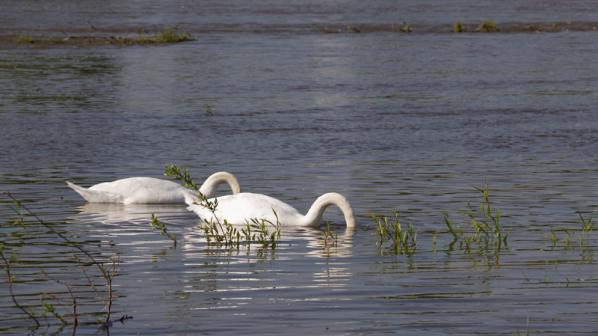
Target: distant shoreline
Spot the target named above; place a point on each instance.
(142, 35)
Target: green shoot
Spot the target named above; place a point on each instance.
(401, 241)
(161, 226)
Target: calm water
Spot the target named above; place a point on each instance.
(392, 121)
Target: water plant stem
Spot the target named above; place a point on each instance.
(107, 275)
(11, 280)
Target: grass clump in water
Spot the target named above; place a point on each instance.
(488, 26)
(256, 231)
(168, 35)
(458, 27)
(389, 230)
(485, 233)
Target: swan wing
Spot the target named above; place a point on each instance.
(240, 208)
(95, 196)
(144, 190)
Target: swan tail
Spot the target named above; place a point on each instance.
(94, 196)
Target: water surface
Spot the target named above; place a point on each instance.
(392, 121)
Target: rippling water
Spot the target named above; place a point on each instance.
(393, 121)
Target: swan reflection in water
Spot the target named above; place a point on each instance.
(206, 267)
(311, 241)
(114, 213)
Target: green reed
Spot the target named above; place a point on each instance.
(458, 27)
(568, 237)
(587, 223)
(484, 233)
(255, 231)
(587, 226)
(488, 26)
(161, 226)
(389, 231)
(329, 236)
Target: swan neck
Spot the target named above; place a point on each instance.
(208, 188)
(314, 215)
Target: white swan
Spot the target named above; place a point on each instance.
(238, 209)
(143, 190)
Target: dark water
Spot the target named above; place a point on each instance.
(392, 121)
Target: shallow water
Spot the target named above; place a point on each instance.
(392, 121)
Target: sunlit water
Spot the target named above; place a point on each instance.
(393, 121)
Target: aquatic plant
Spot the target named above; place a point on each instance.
(488, 26)
(25, 39)
(458, 27)
(11, 280)
(353, 29)
(525, 332)
(390, 230)
(161, 226)
(256, 231)
(405, 28)
(209, 110)
(330, 237)
(48, 302)
(554, 239)
(485, 233)
(168, 35)
(587, 224)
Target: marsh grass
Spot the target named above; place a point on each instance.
(484, 233)
(392, 237)
(458, 27)
(587, 223)
(488, 26)
(587, 226)
(571, 238)
(168, 35)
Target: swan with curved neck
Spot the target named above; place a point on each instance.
(149, 190)
(240, 208)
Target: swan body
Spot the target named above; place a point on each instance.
(240, 208)
(146, 190)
